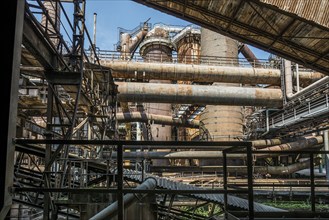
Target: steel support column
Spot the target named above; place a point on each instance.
(225, 183)
(250, 182)
(326, 148)
(312, 182)
(120, 182)
(46, 198)
(9, 93)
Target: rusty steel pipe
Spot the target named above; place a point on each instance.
(297, 145)
(156, 119)
(250, 56)
(201, 73)
(198, 94)
(266, 142)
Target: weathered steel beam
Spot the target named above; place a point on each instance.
(35, 42)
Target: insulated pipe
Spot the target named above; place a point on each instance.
(156, 119)
(266, 143)
(297, 145)
(112, 210)
(201, 73)
(198, 94)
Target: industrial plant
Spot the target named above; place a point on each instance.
(176, 122)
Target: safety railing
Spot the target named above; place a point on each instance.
(107, 55)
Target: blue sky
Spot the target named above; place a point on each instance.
(127, 14)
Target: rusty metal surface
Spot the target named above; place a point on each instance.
(223, 123)
(188, 48)
(296, 30)
(315, 10)
(156, 119)
(202, 73)
(297, 145)
(198, 94)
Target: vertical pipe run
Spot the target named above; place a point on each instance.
(297, 77)
(94, 35)
(93, 56)
(288, 78)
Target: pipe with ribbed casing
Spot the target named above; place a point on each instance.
(198, 94)
(156, 119)
(202, 73)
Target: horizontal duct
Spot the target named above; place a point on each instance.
(202, 73)
(198, 94)
(156, 119)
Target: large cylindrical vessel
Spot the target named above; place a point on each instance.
(220, 122)
(157, 47)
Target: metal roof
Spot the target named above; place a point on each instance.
(296, 30)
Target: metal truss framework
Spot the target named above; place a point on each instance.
(115, 167)
(75, 96)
